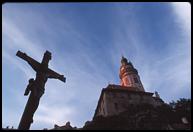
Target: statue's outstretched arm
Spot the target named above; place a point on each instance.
(55, 75)
(33, 63)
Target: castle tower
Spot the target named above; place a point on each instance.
(129, 76)
(115, 99)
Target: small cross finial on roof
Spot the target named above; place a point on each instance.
(122, 56)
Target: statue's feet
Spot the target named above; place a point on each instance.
(32, 120)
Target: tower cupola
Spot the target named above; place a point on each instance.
(129, 75)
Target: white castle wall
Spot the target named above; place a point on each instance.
(113, 103)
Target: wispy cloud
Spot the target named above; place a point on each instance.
(20, 40)
(54, 114)
(183, 13)
(7, 57)
(159, 72)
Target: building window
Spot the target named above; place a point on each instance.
(116, 106)
(124, 105)
(103, 110)
(135, 80)
(102, 102)
(114, 95)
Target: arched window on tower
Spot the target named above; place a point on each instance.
(116, 106)
(135, 80)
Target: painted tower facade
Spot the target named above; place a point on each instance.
(129, 76)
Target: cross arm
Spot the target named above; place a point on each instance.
(53, 74)
(33, 63)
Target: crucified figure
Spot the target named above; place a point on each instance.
(36, 87)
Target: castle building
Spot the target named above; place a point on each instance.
(115, 99)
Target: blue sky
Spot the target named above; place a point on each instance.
(87, 41)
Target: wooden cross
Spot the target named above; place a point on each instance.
(36, 86)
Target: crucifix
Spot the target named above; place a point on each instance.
(36, 87)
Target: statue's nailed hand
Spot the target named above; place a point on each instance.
(62, 78)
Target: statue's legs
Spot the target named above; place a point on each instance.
(31, 107)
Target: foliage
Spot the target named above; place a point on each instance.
(145, 117)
